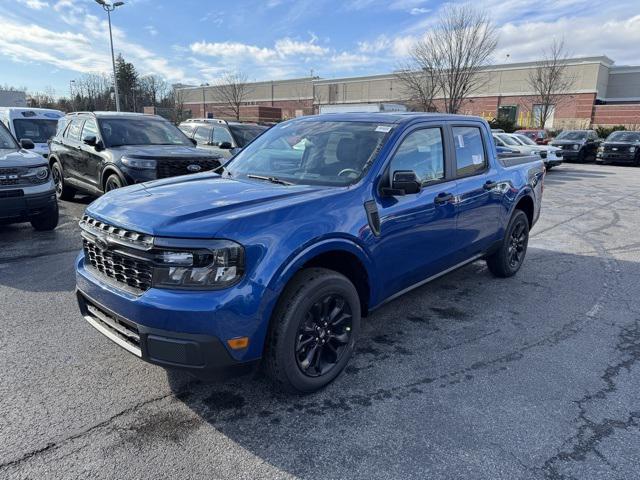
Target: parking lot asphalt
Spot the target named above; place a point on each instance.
(470, 376)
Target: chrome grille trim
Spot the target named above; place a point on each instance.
(115, 330)
(117, 235)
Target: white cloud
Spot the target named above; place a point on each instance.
(152, 30)
(34, 4)
(419, 11)
(287, 47)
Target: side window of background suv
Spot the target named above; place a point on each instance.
(73, 132)
(470, 157)
(421, 151)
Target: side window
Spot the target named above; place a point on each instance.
(593, 136)
(73, 132)
(221, 134)
(421, 151)
(203, 135)
(90, 129)
(62, 125)
(186, 129)
(470, 157)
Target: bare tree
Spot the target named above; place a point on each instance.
(455, 52)
(176, 99)
(232, 89)
(550, 81)
(419, 85)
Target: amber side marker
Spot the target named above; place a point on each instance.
(238, 343)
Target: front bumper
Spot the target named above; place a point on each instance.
(570, 155)
(17, 205)
(616, 157)
(183, 330)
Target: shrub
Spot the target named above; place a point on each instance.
(604, 132)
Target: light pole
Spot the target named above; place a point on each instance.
(71, 83)
(110, 7)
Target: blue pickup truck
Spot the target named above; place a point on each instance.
(274, 258)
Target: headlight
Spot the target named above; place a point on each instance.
(632, 149)
(37, 174)
(140, 163)
(218, 266)
(600, 149)
(576, 147)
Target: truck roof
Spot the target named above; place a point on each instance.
(100, 114)
(389, 117)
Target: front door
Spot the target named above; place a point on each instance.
(89, 162)
(478, 194)
(417, 231)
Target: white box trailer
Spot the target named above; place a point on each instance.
(362, 107)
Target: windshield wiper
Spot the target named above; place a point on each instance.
(277, 180)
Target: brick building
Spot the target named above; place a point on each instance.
(601, 94)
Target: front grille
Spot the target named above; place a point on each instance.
(13, 176)
(134, 273)
(616, 149)
(172, 167)
(117, 254)
(11, 194)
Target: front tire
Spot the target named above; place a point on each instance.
(47, 220)
(63, 191)
(113, 182)
(508, 259)
(313, 331)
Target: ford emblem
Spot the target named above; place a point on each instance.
(194, 168)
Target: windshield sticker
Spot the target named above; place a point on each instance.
(383, 128)
(460, 139)
(476, 159)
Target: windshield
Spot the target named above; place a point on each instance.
(572, 135)
(6, 140)
(508, 140)
(624, 137)
(245, 133)
(140, 131)
(312, 152)
(525, 140)
(35, 129)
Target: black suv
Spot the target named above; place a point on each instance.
(578, 145)
(219, 136)
(620, 146)
(99, 151)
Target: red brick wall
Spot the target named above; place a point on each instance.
(617, 115)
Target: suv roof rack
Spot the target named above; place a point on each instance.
(206, 120)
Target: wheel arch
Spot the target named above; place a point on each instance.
(527, 205)
(109, 170)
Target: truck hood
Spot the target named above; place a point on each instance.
(195, 206)
(567, 142)
(20, 158)
(154, 151)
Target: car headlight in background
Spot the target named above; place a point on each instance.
(218, 266)
(139, 163)
(576, 147)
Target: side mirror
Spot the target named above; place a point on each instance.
(27, 144)
(90, 140)
(403, 182)
(225, 145)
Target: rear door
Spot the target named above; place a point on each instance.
(70, 146)
(478, 200)
(417, 231)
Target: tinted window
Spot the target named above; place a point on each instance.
(73, 132)
(187, 129)
(203, 134)
(221, 134)
(572, 135)
(245, 133)
(36, 130)
(90, 129)
(6, 140)
(422, 152)
(624, 137)
(140, 131)
(470, 158)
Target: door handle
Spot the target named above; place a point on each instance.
(443, 198)
(489, 185)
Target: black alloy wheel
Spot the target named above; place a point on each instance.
(57, 180)
(517, 243)
(323, 335)
(112, 183)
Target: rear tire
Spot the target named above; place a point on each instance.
(63, 191)
(508, 259)
(46, 221)
(313, 331)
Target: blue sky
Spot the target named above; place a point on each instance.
(46, 43)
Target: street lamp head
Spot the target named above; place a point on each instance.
(101, 2)
(118, 4)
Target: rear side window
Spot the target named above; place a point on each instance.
(73, 132)
(421, 151)
(203, 134)
(470, 157)
(62, 124)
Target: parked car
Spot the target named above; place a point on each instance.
(506, 140)
(222, 137)
(95, 152)
(551, 156)
(27, 192)
(578, 145)
(540, 136)
(505, 152)
(620, 146)
(35, 124)
(298, 245)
